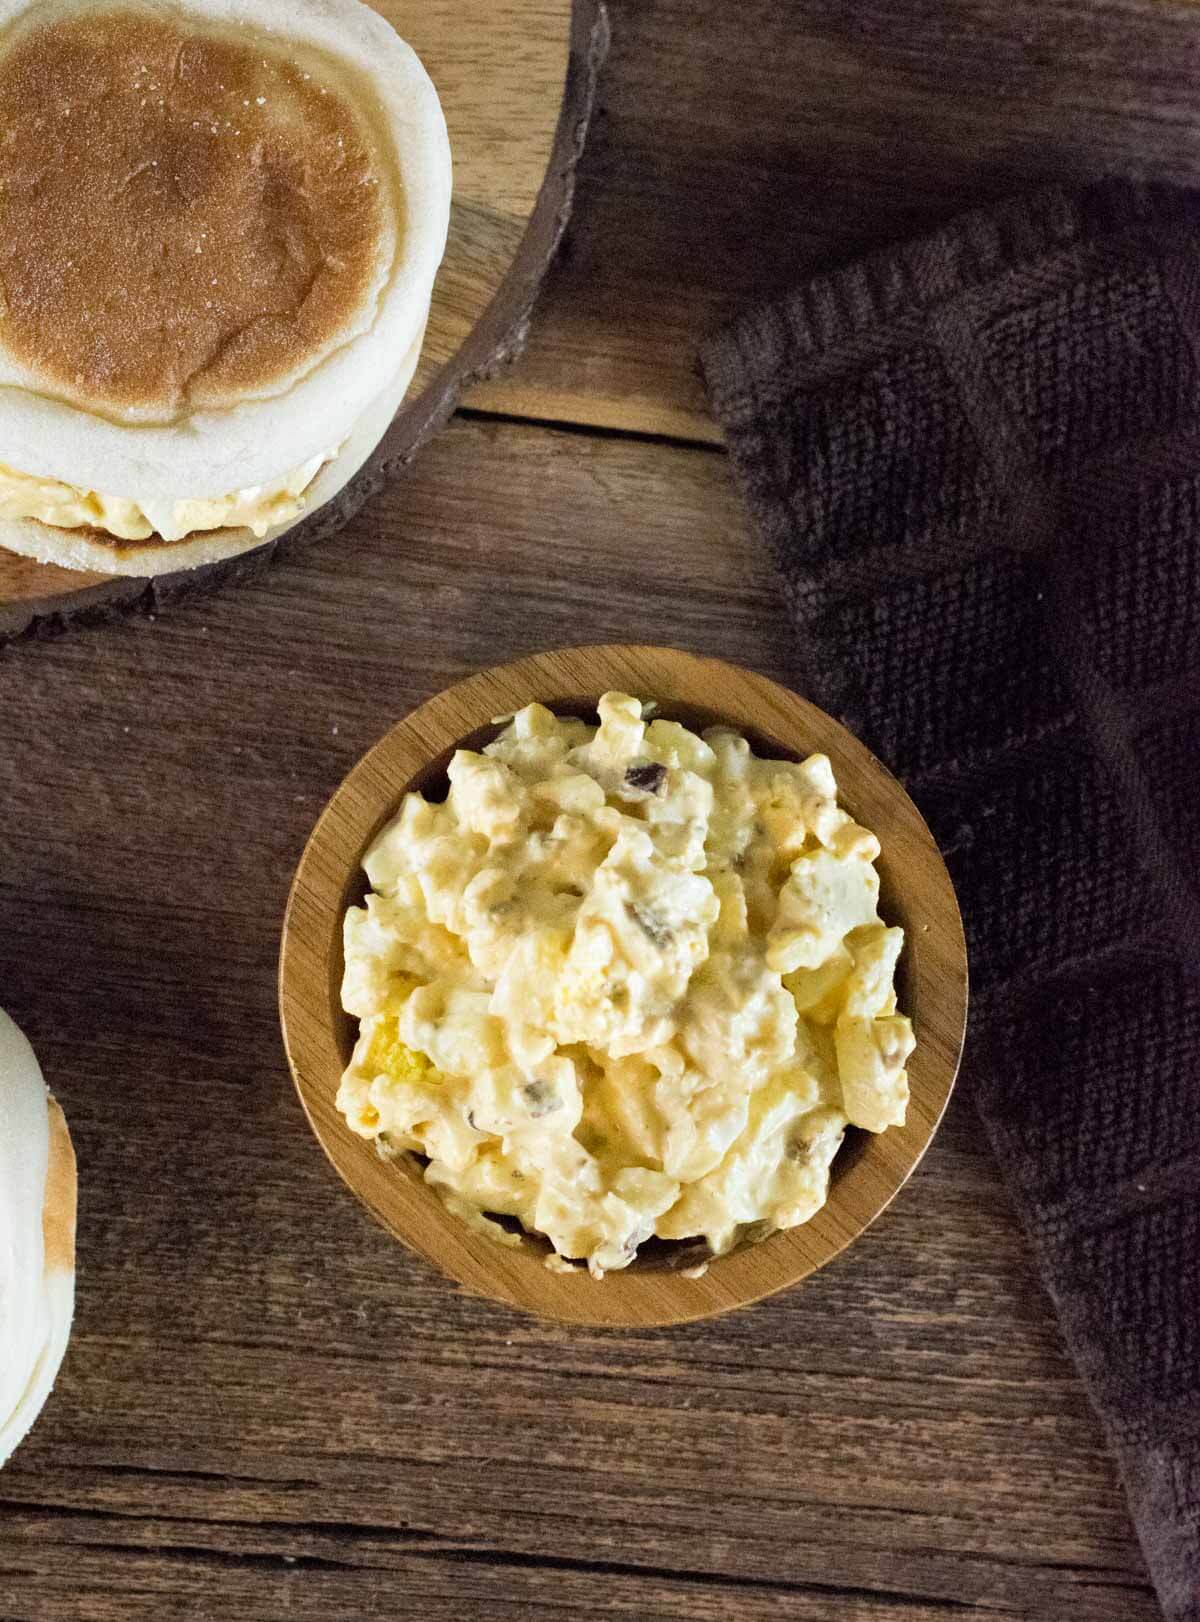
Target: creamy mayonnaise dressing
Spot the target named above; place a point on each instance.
(626, 981)
(259, 507)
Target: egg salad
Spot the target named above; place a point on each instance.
(625, 981)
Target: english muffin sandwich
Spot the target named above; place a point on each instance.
(220, 222)
(37, 1237)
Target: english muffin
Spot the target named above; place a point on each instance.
(220, 223)
(37, 1237)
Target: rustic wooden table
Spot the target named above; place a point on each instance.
(268, 1408)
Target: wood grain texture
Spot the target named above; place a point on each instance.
(916, 893)
(269, 1409)
(515, 79)
(738, 148)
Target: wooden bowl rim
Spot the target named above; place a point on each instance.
(412, 752)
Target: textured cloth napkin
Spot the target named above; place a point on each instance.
(977, 460)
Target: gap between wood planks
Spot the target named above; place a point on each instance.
(435, 1547)
(499, 1560)
(597, 430)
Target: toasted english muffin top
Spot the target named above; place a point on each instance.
(188, 216)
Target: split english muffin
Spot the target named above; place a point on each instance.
(220, 223)
(37, 1237)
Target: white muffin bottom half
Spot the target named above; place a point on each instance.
(86, 549)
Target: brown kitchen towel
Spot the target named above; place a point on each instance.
(977, 460)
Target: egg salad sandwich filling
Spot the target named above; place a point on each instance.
(220, 223)
(37, 1238)
(625, 982)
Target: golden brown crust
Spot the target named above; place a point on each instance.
(58, 1209)
(185, 216)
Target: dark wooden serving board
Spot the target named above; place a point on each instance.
(516, 80)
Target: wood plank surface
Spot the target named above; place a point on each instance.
(739, 146)
(269, 1409)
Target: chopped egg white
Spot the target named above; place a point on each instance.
(624, 982)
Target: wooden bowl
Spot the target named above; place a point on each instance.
(915, 892)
